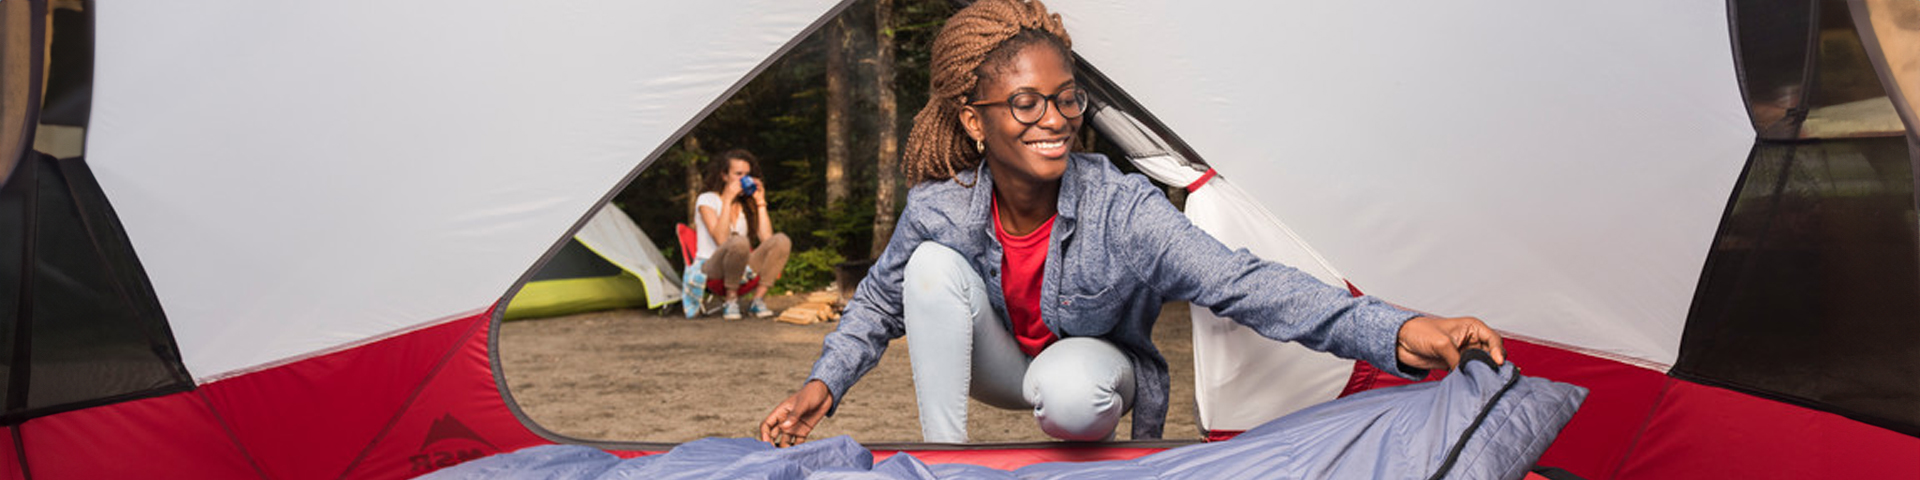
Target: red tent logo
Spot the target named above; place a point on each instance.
(449, 443)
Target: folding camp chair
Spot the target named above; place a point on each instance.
(697, 292)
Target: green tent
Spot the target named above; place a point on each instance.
(609, 264)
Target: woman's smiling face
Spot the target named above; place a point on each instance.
(1038, 151)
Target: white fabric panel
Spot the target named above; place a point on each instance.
(1555, 168)
(1232, 364)
(613, 235)
(1242, 379)
(298, 176)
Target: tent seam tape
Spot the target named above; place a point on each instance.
(1604, 355)
(418, 389)
(231, 435)
(230, 374)
(1666, 387)
(20, 451)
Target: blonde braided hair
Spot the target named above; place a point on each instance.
(938, 147)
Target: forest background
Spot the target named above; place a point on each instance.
(828, 121)
(825, 121)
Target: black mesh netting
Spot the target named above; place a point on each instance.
(79, 323)
(1811, 293)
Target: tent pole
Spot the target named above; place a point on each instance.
(1809, 78)
(19, 373)
(20, 452)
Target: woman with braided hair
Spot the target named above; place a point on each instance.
(1027, 276)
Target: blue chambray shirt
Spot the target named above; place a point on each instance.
(1119, 250)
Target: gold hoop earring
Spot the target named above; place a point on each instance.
(979, 145)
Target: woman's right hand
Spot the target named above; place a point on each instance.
(793, 419)
(730, 190)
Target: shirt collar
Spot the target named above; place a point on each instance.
(1066, 207)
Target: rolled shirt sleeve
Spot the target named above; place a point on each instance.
(873, 316)
(1280, 302)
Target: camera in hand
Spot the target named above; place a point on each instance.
(748, 186)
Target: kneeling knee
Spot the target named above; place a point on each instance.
(1079, 388)
(1089, 414)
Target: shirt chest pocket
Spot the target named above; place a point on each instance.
(1091, 292)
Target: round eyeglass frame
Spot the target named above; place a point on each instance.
(1085, 104)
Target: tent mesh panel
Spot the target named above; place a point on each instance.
(1811, 292)
(94, 331)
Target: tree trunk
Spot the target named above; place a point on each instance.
(886, 195)
(839, 40)
(690, 156)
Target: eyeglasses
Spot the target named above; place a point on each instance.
(1029, 107)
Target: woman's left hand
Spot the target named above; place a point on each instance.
(760, 194)
(1433, 343)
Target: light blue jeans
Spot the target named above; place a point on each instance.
(1078, 387)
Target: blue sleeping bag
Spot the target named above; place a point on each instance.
(1483, 422)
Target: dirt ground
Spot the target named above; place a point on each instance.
(632, 375)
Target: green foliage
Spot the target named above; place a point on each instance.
(846, 228)
(809, 270)
(780, 115)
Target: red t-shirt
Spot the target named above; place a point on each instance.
(1026, 260)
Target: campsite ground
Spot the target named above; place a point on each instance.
(631, 375)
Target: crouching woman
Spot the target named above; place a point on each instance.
(1029, 277)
